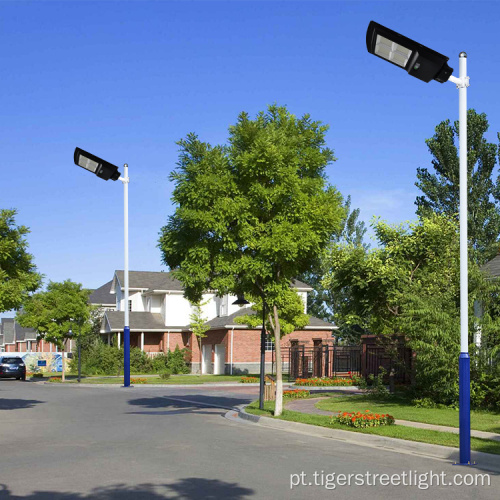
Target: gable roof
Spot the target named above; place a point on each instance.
(113, 321)
(158, 280)
(103, 295)
(492, 267)
(13, 332)
(147, 280)
(23, 334)
(8, 330)
(229, 321)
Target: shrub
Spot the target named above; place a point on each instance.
(248, 380)
(139, 361)
(37, 375)
(296, 394)
(160, 362)
(176, 362)
(361, 420)
(165, 374)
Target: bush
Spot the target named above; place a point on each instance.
(176, 361)
(165, 374)
(160, 362)
(101, 359)
(37, 375)
(139, 361)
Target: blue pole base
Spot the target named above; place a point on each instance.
(126, 356)
(464, 407)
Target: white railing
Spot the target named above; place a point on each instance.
(154, 354)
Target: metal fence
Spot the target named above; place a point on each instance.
(321, 361)
(333, 361)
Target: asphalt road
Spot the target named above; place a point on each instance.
(104, 442)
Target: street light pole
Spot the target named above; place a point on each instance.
(126, 329)
(464, 360)
(426, 65)
(106, 171)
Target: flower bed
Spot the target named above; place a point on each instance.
(248, 380)
(138, 380)
(55, 379)
(321, 382)
(366, 419)
(296, 394)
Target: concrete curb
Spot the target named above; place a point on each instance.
(486, 461)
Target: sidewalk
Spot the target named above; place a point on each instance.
(307, 406)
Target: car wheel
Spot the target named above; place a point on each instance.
(18, 378)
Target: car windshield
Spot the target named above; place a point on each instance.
(12, 361)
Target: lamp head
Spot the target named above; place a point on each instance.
(96, 165)
(417, 59)
(240, 301)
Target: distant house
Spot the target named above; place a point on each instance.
(102, 297)
(160, 316)
(15, 338)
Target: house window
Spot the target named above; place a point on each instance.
(129, 305)
(269, 344)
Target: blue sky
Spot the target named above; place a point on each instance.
(127, 79)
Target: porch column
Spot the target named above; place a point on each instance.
(119, 336)
(142, 341)
(164, 342)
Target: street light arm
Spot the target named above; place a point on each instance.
(460, 82)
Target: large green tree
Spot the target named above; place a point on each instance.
(441, 187)
(253, 214)
(410, 285)
(53, 313)
(320, 302)
(18, 276)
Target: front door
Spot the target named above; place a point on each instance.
(220, 359)
(206, 358)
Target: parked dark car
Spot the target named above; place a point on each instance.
(11, 366)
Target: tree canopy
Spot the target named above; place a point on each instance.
(53, 313)
(18, 276)
(253, 214)
(441, 188)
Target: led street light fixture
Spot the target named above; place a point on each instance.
(418, 60)
(96, 165)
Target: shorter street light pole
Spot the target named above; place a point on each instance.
(426, 65)
(106, 171)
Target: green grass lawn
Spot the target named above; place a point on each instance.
(155, 379)
(401, 408)
(394, 431)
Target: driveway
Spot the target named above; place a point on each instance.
(107, 442)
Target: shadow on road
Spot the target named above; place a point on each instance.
(193, 400)
(185, 489)
(17, 404)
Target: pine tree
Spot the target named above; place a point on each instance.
(441, 189)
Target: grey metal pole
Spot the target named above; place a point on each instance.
(262, 356)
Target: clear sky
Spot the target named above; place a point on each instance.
(125, 80)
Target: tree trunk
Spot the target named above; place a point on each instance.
(62, 360)
(278, 409)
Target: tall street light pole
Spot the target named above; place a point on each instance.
(426, 65)
(106, 171)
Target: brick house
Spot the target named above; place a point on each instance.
(15, 338)
(160, 317)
